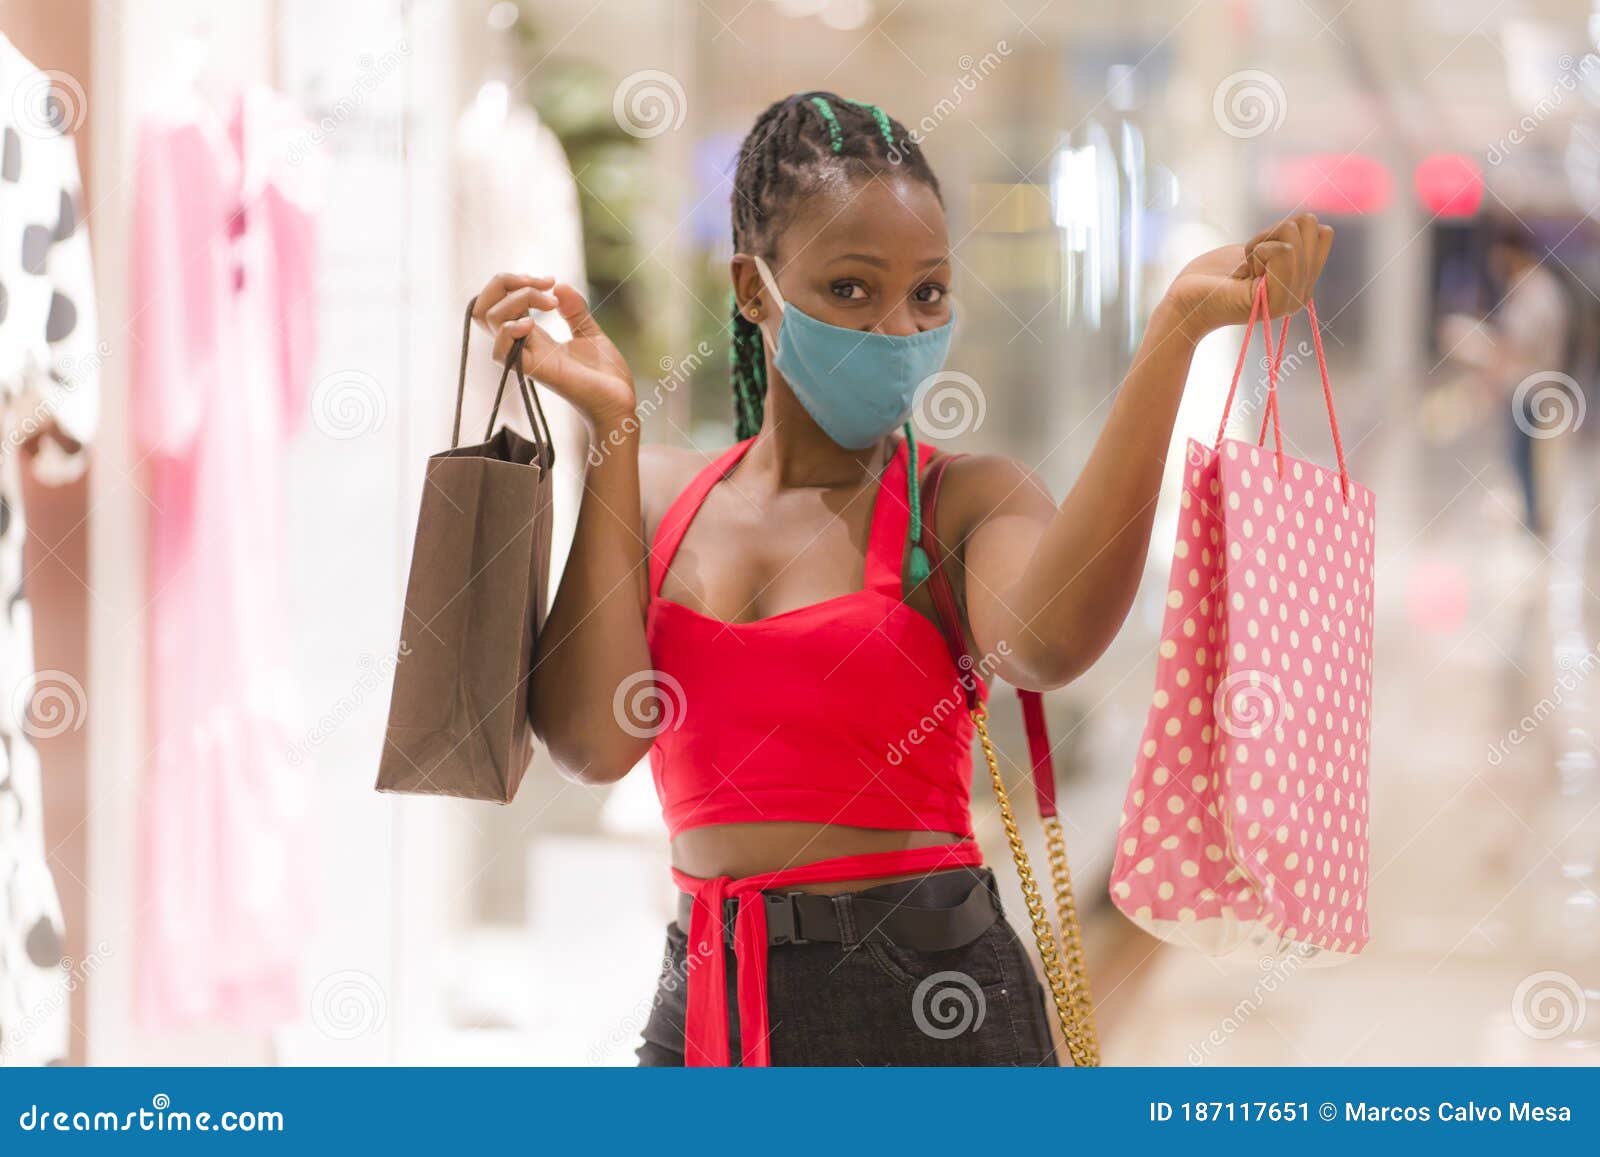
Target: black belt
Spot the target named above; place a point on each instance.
(811, 918)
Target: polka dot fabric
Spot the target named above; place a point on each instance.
(1246, 820)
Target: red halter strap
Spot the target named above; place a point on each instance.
(675, 523)
(885, 543)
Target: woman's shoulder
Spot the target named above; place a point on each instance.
(976, 487)
(664, 472)
(670, 461)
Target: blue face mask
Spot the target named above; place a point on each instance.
(858, 386)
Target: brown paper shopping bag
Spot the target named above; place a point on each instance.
(475, 602)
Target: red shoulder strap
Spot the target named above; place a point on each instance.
(1044, 768)
(675, 523)
(944, 601)
(886, 540)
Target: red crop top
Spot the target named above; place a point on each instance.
(849, 711)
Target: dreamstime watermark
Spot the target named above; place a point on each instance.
(649, 702)
(1248, 406)
(1568, 83)
(371, 74)
(673, 976)
(934, 718)
(1549, 1004)
(349, 1004)
(947, 1004)
(1288, 362)
(948, 404)
(1291, 360)
(675, 372)
(49, 703)
(348, 404)
(648, 103)
(69, 376)
(1249, 103)
(51, 1007)
(376, 676)
(1248, 704)
(1575, 669)
(160, 1117)
(1275, 973)
(1547, 404)
(973, 71)
(48, 103)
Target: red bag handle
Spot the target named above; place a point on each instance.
(1260, 308)
(944, 601)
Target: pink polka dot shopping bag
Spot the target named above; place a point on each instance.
(1246, 819)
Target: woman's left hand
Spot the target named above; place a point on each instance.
(1216, 289)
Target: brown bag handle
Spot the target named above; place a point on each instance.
(545, 456)
(1064, 966)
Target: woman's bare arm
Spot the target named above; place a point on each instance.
(593, 640)
(1055, 583)
(594, 637)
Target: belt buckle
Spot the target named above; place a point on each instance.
(783, 924)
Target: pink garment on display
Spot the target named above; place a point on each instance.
(223, 271)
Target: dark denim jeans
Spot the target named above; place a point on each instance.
(870, 1002)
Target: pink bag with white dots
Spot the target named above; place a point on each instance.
(1246, 820)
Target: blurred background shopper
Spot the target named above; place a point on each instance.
(1533, 328)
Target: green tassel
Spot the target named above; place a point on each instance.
(920, 569)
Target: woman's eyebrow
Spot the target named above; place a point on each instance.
(864, 258)
(880, 263)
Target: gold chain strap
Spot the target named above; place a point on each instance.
(1071, 934)
(1068, 981)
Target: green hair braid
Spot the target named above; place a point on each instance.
(835, 133)
(884, 125)
(747, 362)
(918, 568)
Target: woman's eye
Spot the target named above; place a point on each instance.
(850, 290)
(930, 294)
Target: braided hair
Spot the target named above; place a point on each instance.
(797, 146)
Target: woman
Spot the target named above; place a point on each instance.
(814, 779)
(1532, 354)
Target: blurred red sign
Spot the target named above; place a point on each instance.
(1340, 184)
(1449, 184)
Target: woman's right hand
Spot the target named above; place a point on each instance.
(587, 369)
